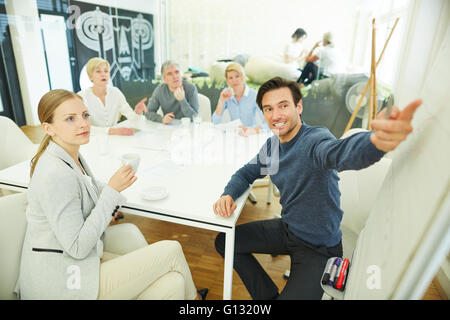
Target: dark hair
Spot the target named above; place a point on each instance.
(277, 83)
(298, 33)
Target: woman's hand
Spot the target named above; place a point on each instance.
(245, 131)
(141, 107)
(226, 94)
(121, 131)
(122, 179)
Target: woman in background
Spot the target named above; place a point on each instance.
(294, 52)
(106, 103)
(67, 224)
(240, 101)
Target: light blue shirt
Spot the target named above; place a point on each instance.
(246, 109)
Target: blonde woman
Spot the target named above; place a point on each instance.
(67, 224)
(240, 101)
(106, 103)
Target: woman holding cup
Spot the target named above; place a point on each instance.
(240, 101)
(68, 218)
(106, 103)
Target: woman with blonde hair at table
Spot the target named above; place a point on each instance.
(240, 101)
(107, 103)
(69, 251)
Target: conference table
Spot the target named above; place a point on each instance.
(191, 162)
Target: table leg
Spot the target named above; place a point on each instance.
(228, 264)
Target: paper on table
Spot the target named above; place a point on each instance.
(229, 125)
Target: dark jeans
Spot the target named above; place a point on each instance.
(273, 237)
(309, 74)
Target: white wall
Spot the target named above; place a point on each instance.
(202, 31)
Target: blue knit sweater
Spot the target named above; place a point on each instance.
(306, 175)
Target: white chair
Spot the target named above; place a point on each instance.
(204, 107)
(12, 232)
(359, 190)
(15, 145)
(119, 239)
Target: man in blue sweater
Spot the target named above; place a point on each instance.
(302, 162)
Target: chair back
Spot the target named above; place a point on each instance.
(359, 189)
(204, 107)
(12, 233)
(14, 144)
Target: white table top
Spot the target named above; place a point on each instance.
(194, 164)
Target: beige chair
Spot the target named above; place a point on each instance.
(119, 240)
(12, 232)
(204, 107)
(14, 144)
(359, 190)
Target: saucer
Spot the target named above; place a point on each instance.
(154, 193)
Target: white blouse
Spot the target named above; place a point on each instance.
(104, 116)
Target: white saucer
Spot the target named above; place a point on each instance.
(154, 193)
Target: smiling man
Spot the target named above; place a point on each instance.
(176, 97)
(307, 161)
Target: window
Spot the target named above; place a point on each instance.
(385, 13)
(56, 51)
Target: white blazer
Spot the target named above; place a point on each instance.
(105, 116)
(66, 218)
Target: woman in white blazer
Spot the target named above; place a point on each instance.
(106, 103)
(68, 214)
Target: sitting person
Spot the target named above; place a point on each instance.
(176, 97)
(240, 101)
(327, 57)
(302, 162)
(294, 53)
(106, 103)
(68, 216)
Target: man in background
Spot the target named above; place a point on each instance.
(176, 97)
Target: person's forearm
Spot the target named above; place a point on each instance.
(153, 116)
(187, 109)
(219, 108)
(353, 153)
(244, 177)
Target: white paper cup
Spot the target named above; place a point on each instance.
(132, 159)
(185, 121)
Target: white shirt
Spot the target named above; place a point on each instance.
(293, 51)
(104, 116)
(330, 60)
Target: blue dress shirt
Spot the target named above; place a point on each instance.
(246, 109)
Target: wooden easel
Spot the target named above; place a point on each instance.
(372, 81)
